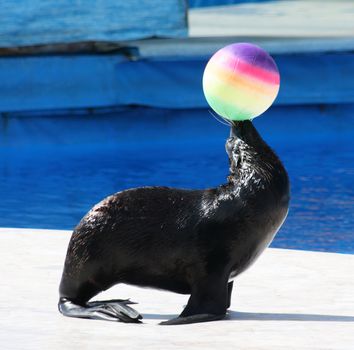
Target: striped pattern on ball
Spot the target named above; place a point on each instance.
(240, 81)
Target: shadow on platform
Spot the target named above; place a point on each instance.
(255, 316)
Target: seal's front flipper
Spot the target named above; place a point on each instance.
(108, 310)
(208, 301)
(192, 319)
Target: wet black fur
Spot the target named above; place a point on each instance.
(185, 241)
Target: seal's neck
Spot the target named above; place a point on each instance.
(249, 155)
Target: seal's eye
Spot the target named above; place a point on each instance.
(229, 145)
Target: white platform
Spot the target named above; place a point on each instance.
(273, 18)
(287, 300)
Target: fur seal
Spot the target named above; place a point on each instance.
(185, 241)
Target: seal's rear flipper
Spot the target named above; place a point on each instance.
(108, 310)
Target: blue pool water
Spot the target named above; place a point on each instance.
(54, 168)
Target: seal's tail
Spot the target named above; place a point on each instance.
(108, 310)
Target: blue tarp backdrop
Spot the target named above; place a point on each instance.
(35, 22)
(205, 3)
(94, 81)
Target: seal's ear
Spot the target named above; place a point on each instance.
(229, 146)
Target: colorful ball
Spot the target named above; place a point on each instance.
(241, 81)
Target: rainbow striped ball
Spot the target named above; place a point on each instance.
(241, 81)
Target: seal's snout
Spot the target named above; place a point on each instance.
(245, 131)
(241, 128)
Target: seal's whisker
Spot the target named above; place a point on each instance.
(224, 121)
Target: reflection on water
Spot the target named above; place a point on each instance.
(54, 169)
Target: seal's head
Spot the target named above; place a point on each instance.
(241, 134)
(246, 149)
